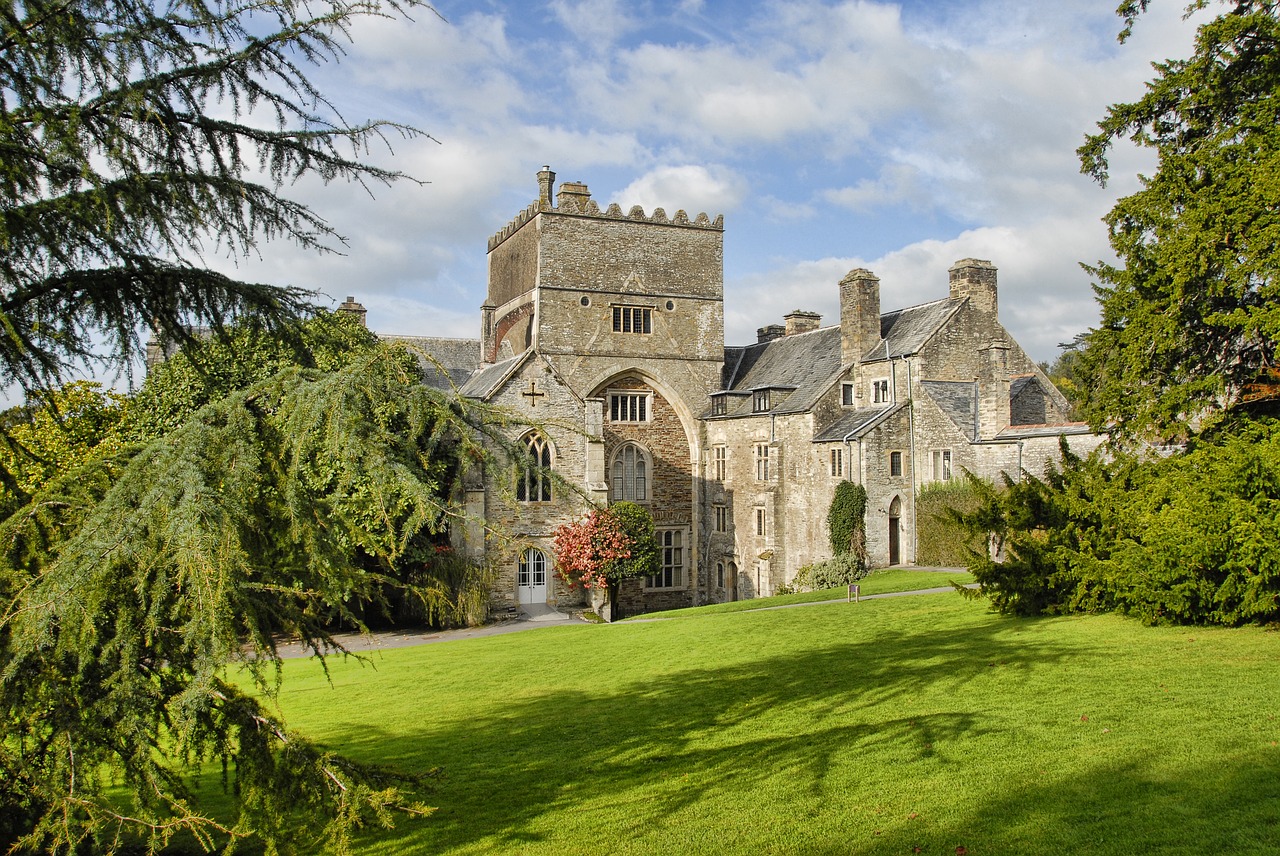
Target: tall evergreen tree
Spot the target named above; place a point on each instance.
(135, 137)
(1191, 313)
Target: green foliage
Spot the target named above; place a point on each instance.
(57, 431)
(137, 138)
(842, 570)
(846, 519)
(637, 524)
(1067, 374)
(212, 367)
(1191, 315)
(940, 540)
(1188, 538)
(129, 584)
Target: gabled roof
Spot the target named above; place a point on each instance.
(956, 399)
(905, 331)
(446, 363)
(486, 381)
(804, 363)
(856, 423)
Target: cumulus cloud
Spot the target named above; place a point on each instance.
(711, 189)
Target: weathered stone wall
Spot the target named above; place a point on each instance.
(513, 525)
(513, 265)
(891, 435)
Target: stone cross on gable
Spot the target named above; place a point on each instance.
(532, 393)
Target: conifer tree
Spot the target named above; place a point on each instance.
(1191, 314)
(136, 137)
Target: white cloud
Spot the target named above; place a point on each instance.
(597, 24)
(711, 189)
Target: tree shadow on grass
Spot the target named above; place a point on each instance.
(658, 745)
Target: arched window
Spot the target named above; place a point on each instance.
(533, 483)
(630, 474)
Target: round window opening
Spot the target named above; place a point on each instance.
(671, 304)
(584, 300)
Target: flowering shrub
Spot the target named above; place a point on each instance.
(605, 546)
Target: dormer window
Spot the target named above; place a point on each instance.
(880, 391)
(719, 405)
(846, 394)
(760, 402)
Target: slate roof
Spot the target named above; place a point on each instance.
(451, 363)
(956, 399)
(486, 380)
(856, 423)
(804, 363)
(904, 331)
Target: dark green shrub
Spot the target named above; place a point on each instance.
(842, 570)
(941, 541)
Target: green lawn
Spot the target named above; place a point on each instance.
(880, 727)
(877, 582)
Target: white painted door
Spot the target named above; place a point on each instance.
(531, 577)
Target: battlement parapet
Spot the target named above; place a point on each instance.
(581, 205)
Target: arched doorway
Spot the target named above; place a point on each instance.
(895, 531)
(531, 577)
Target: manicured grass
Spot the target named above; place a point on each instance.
(877, 582)
(880, 727)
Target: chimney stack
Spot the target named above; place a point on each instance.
(859, 314)
(799, 321)
(993, 390)
(355, 310)
(546, 179)
(573, 196)
(976, 280)
(770, 332)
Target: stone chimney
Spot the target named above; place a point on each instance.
(355, 310)
(859, 314)
(976, 280)
(573, 196)
(993, 390)
(546, 179)
(799, 321)
(770, 332)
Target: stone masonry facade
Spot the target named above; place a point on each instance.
(606, 329)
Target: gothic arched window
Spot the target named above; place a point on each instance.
(630, 474)
(533, 483)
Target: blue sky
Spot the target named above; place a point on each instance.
(894, 136)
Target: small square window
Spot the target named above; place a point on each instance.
(761, 401)
(719, 405)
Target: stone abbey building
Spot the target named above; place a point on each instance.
(607, 328)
